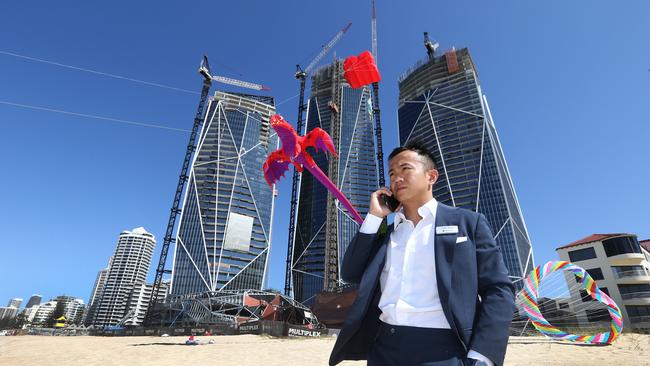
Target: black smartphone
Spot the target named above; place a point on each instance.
(390, 201)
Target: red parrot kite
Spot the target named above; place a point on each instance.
(294, 151)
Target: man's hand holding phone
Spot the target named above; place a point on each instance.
(380, 202)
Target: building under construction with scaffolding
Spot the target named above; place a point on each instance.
(441, 104)
(320, 229)
(324, 228)
(224, 235)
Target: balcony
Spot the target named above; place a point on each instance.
(636, 298)
(626, 259)
(639, 321)
(632, 276)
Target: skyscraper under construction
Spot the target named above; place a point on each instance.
(324, 228)
(224, 236)
(442, 105)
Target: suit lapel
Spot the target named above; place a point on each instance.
(379, 259)
(371, 279)
(444, 249)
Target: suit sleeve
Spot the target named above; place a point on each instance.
(492, 324)
(360, 250)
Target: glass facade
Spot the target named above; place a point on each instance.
(634, 291)
(443, 106)
(638, 313)
(224, 236)
(621, 245)
(628, 271)
(357, 179)
(582, 254)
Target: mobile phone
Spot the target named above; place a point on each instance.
(389, 201)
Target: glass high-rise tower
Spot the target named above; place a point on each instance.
(324, 228)
(224, 236)
(442, 105)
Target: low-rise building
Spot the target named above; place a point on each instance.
(621, 268)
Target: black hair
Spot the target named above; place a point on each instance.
(418, 147)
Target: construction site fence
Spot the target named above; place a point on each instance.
(264, 327)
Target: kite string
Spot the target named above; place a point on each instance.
(134, 123)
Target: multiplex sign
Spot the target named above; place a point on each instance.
(300, 332)
(249, 328)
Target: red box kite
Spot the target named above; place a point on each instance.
(361, 70)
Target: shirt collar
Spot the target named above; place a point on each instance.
(425, 210)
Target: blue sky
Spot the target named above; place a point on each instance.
(567, 83)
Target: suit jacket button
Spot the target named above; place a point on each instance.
(392, 330)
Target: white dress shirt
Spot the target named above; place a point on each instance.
(408, 281)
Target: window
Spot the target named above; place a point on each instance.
(628, 271)
(628, 289)
(596, 273)
(634, 291)
(605, 290)
(598, 315)
(621, 245)
(582, 254)
(636, 312)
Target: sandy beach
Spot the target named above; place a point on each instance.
(629, 349)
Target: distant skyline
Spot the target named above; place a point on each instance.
(566, 83)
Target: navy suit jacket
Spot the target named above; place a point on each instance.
(476, 294)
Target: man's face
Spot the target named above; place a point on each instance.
(409, 176)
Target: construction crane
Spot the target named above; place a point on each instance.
(430, 46)
(204, 70)
(374, 33)
(242, 84)
(301, 75)
(375, 104)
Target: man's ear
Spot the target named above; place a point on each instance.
(433, 176)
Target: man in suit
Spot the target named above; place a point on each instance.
(433, 288)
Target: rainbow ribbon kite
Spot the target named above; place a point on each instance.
(529, 294)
